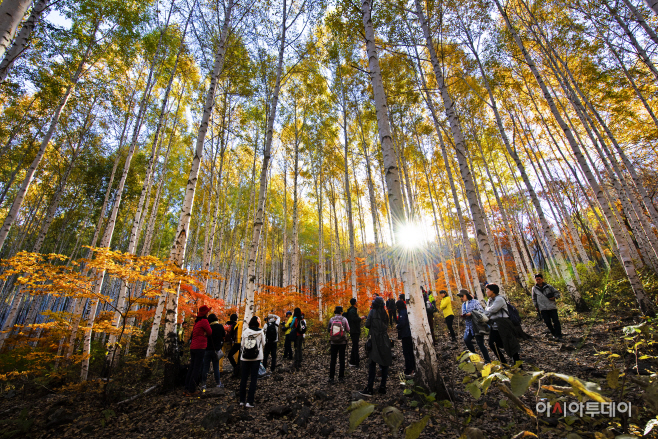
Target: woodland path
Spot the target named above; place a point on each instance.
(305, 394)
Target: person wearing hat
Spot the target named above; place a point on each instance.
(287, 343)
(338, 329)
(470, 304)
(198, 344)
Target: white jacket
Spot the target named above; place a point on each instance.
(260, 340)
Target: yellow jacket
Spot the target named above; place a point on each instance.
(238, 328)
(446, 306)
(288, 323)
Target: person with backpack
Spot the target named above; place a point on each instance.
(404, 335)
(503, 332)
(353, 319)
(271, 339)
(380, 346)
(253, 341)
(390, 307)
(448, 315)
(287, 340)
(213, 350)
(236, 337)
(198, 343)
(338, 329)
(470, 304)
(428, 299)
(543, 297)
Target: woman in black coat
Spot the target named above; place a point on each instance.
(404, 334)
(380, 353)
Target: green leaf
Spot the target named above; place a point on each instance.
(503, 403)
(413, 403)
(414, 430)
(467, 367)
(613, 378)
(474, 390)
(570, 420)
(408, 392)
(486, 383)
(393, 418)
(360, 411)
(520, 383)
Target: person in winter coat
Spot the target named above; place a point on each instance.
(198, 343)
(428, 299)
(296, 336)
(287, 342)
(377, 323)
(253, 340)
(469, 304)
(352, 316)
(448, 315)
(500, 324)
(404, 334)
(271, 339)
(544, 296)
(213, 348)
(390, 307)
(338, 329)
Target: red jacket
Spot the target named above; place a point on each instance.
(199, 340)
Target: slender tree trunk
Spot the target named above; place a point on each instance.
(170, 301)
(11, 14)
(258, 218)
(22, 39)
(427, 370)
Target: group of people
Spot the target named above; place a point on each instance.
(255, 345)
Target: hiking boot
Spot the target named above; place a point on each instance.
(330, 381)
(381, 391)
(352, 365)
(366, 392)
(341, 380)
(220, 386)
(249, 406)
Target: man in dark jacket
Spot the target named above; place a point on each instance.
(353, 319)
(213, 348)
(390, 307)
(404, 334)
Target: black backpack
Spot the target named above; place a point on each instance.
(250, 348)
(302, 326)
(271, 332)
(513, 314)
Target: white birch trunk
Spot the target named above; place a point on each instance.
(11, 14)
(22, 39)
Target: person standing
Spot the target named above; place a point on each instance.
(287, 341)
(251, 356)
(470, 304)
(338, 329)
(353, 319)
(431, 309)
(390, 307)
(298, 327)
(213, 349)
(448, 315)
(236, 337)
(198, 343)
(404, 334)
(271, 339)
(503, 333)
(544, 296)
(380, 353)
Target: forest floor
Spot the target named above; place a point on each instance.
(302, 404)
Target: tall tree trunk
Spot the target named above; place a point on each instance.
(169, 302)
(427, 370)
(258, 218)
(11, 14)
(20, 42)
(488, 257)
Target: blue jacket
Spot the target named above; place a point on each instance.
(403, 324)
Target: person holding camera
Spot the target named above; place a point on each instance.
(543, 296)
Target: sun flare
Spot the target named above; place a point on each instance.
(411, 236)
